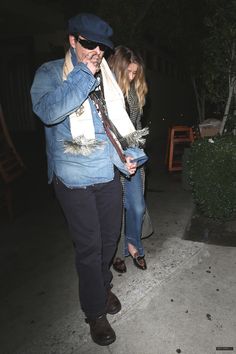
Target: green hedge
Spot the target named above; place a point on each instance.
(210, 169)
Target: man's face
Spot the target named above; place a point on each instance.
(85, 55)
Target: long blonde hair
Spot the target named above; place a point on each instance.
(119, 62)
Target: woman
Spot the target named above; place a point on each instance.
(128, 69)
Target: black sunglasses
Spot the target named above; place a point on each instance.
(90, 44)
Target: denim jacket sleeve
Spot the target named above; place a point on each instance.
(138, 155)
(53, 99)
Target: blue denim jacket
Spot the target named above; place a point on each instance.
(53, 100)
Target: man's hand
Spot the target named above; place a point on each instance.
(93, 61)
(132, 166)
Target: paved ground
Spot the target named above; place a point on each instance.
(184, 303)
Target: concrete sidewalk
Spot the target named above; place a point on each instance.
(189, 310)
(184, 302)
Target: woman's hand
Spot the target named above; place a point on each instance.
(131, 166)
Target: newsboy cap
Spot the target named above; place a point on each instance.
(92, 28)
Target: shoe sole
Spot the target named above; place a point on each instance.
(103, 344)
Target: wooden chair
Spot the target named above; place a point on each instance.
(179, 137)
(11, 165)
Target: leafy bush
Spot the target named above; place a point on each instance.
(210, 169)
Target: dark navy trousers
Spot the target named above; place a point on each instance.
(94, 219)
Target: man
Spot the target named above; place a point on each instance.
(78, 100)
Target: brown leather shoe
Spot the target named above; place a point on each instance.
(139, 261)
(119, 265)
(113, 303)
(101, 330)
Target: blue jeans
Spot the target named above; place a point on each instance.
(134, 205)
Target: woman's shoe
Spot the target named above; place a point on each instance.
(139, 261)
(119, 265)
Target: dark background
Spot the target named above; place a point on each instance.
(34, 31)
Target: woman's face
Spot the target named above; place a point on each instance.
(132, 71)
